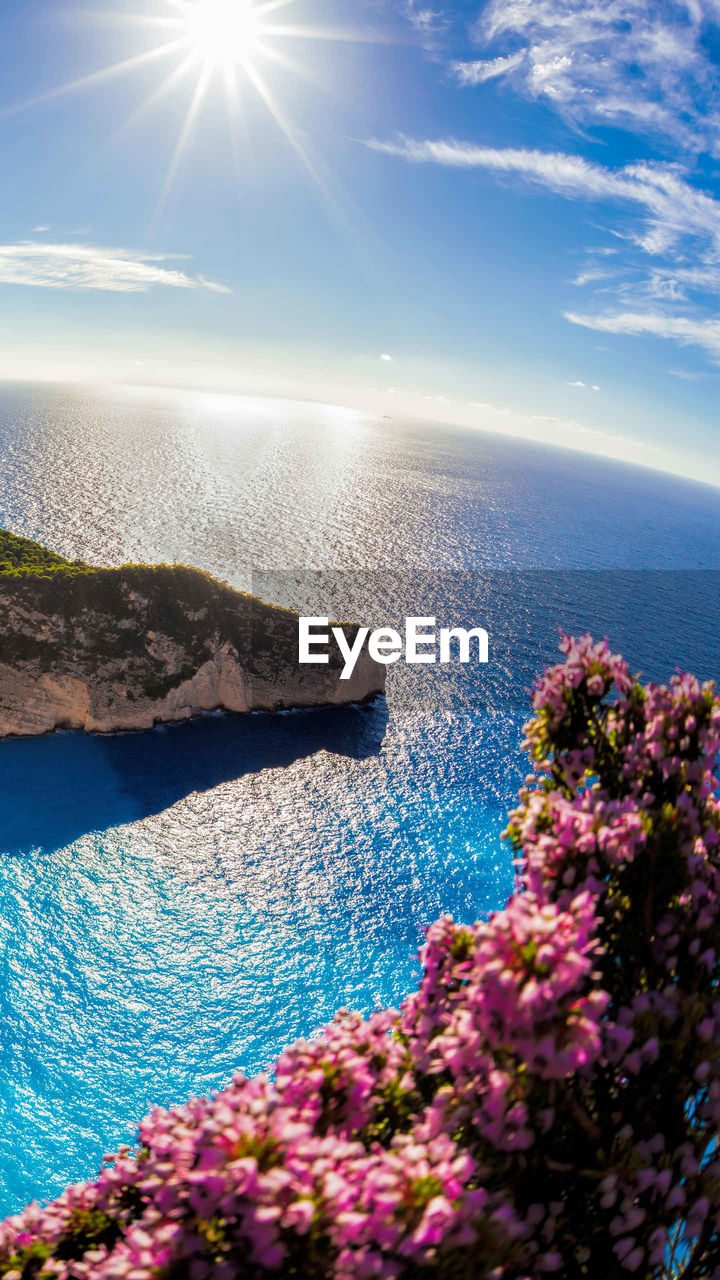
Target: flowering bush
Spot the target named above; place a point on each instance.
(547, 1101)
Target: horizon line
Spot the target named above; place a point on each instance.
(680, 471)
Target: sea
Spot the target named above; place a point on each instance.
(178, 905)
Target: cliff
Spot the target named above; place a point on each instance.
(105, 650)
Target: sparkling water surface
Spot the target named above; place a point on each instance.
(178, 905)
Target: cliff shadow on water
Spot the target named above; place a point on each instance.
(55, 789)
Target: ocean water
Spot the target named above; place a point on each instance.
(178, 905)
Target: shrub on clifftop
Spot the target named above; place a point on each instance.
(547, 1101)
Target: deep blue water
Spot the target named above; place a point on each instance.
(179, 904)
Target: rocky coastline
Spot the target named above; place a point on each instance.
(119, 649)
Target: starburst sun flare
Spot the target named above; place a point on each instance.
(225, 32)
(206, 42)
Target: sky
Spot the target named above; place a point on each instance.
(503, 214)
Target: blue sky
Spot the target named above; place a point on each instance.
(517, 202)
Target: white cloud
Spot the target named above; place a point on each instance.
(429, 23)
(592, 275)
(665, 216)
(676, 282)
(674, 207)
(474, 73)
(683, 329)
(645, 67)
(650, 69)
(385, 356)
(578, 384)
(77, 266)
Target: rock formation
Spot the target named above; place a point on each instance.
(106, 650)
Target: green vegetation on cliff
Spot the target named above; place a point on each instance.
(61, 615)
(19, 557)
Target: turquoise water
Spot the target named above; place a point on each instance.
(180, 904)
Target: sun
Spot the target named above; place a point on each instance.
(222, 32)
(233, 45)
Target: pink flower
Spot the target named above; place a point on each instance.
(552, 1085)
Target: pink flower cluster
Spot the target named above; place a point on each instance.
(546, 1102)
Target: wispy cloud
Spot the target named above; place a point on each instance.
(385, 356)
(592, 275)
(670, 232)
(646, 67)
(588, 386)
(474, 73)
(429, 23)
(77, 266)
(683, 329)
(673, 206)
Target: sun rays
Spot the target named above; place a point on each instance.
(232, 46)
(227, 42)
